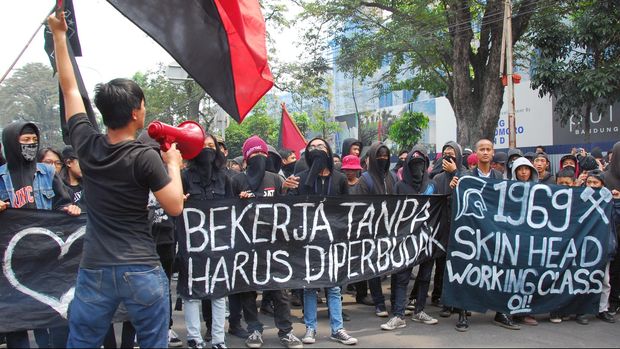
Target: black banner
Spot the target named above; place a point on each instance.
(41, 252)
(526, 248)
(232, 246)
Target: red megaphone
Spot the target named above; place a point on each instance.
(189, 137)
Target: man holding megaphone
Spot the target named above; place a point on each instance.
(119, 259)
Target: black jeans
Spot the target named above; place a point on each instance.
(398, 298)
(166, 254)
(614, 280)
(421, 285)
(440, 265)
(376, 292)
(281, 311)
(128, 335)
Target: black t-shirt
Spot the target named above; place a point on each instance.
(24, 194)
(116, 180)
(76, 193)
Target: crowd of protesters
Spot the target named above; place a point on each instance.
(133, 241)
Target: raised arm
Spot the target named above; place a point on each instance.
(66, 76)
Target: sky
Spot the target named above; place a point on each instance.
(112, 46)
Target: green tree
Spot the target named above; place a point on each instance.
(578, 60)
(173, 102)
(259, 123)
(322, 124)
(446, 47)
(407, 130)
(31, 94)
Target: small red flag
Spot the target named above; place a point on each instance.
(290, 135)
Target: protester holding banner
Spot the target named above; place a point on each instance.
(484, 153)
(204, 179)
(257, 182)
(120, 262)
(321, 179)
(377, 180)
(415, 181)
(50, 156)
(612, 182)
(26, 183)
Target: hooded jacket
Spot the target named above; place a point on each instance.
(22, 182)
(274, 160)
(383, 181)
(612, 175)
(334, 184)
(443, 178)
(348, 143)
(524, 162)
(406, 185)
(511, 152)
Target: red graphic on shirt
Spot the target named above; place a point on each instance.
(23, 197)
(269, 192)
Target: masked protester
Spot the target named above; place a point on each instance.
(612, 182)
(256, 181)
(321, 179)
(376, 180)
(415, 180)
(26, 183)
(274, 161)
(289, 158)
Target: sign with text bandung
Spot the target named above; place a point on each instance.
(526, 248)
(232, 246)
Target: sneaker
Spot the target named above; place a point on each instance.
(505, 321)
(436, 302)
(555, 318)
(408, 312)
(526, 320)
(219, 346)
(394, 323)
(343, 337)
(309, 337)
(424, 318)
(462, 325)
(411, 305)
(290, 341)
(381, 311)
(238, 331)
(605, 316)
(173, 339)
(582, 319)
(345, 317)
(613, 309)
(195, 344)
(208, 335)
(255, 340)
(445, 311)
(367, 300)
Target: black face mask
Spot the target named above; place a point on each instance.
(205, 162)
(320, 161)
(417, 170)
(289, 168)
(399, 164)
(256, 171)
(383, 164)
(450, 158)
(273, 164)
(29, 151)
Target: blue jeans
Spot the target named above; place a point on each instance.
(334, 303)
(142, 288)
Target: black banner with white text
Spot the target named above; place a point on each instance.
(527, 248)
(232, 246)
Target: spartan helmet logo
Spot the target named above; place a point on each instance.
(470, 202)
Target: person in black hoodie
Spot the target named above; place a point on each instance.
(377, 180)
(289, 158)
(415, 180)
(612, 182)
(351, 146)
(257, 182)
(24, 183)
(321, 179)
(484, 151)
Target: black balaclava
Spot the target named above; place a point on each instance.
(289, 168)
(417, 166)
(256, 171)
(383, 164)
(274, 161)
(204, 163)
(319, 160)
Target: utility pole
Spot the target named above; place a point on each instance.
(507, 57)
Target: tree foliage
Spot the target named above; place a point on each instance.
(578, 55)
(447, 47)
(259, 123)
(407, 130)
(31, 94)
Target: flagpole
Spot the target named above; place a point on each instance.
(25, 47)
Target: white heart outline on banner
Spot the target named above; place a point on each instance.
(59, 305)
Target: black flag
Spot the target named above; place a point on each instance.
(75, 49)
(219, 43)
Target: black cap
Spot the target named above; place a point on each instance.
(598, 174)
(597, 152)
(68, 153)
(587, 163)
(500, 157)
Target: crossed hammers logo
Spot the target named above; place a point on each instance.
(588, 195)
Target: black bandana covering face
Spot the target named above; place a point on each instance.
(29, 151)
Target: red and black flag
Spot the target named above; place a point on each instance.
(290, 135)
(220, 44)
(75, 49)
